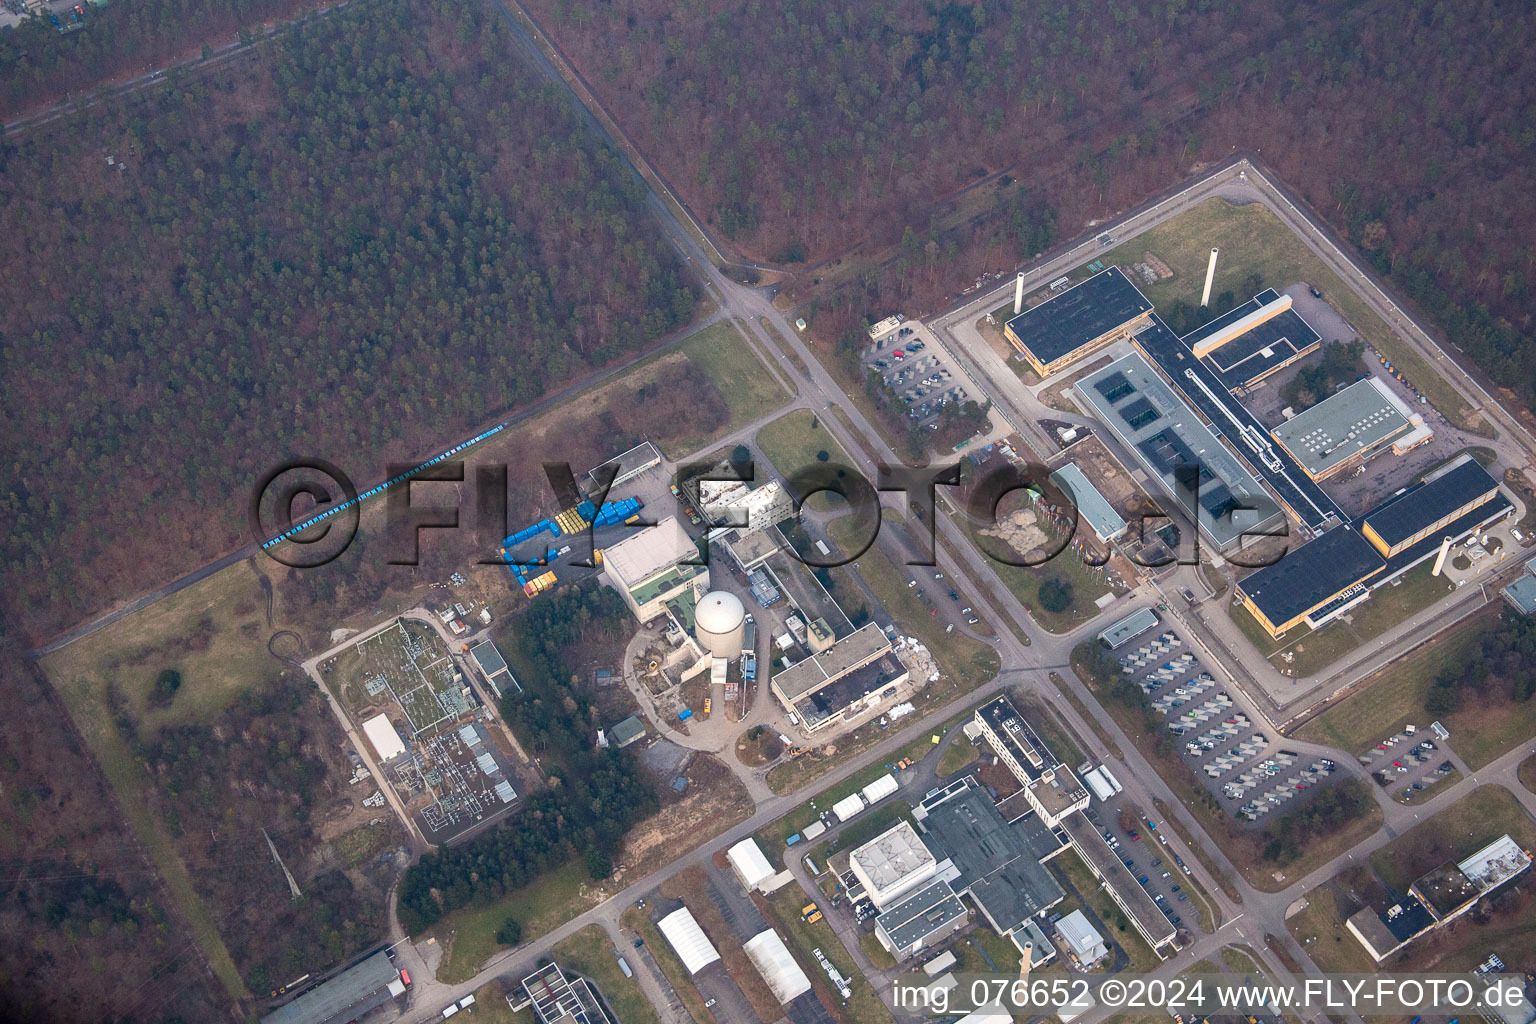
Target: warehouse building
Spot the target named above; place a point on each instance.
(739, 505)
(348, 996)
(1168, 439)
(1050, 787)
(1129, 628)
(386, 741)
(1345, 429)
(1253, 341)
(749, 863)
(777, 966)
(687, 940)
(1092, 508)
(842, 681)
(1081, 320)
(1082, 940)
(1425, 509)
(1521, 594)
(1314, 583)
(1330, 574)
(653, 569)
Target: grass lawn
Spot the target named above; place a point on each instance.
(1319, 929)
(749, 390)
(491, 1006)
(795, 442)
(878, 954)
(968, 663)
(1253, 240)
(1314, 650)
(214, 633)
(1223, 877)
(634, 920)
(955, 757)
(1112, 919)
(785, 347)
(1458, 831)
(590, 953)
(1394, 697)
(1053, 731)
(548, 903)
(1083, 713)
(864, 1005)
(1024, 582)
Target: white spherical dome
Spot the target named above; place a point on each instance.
(719, 612)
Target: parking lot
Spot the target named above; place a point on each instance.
(1140, 846)
(1406, 763)
(1219, 740)
(918, 371)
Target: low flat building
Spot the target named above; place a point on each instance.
(627, 731)
(488, 656)
(654, 567)
(1521, 594)
(1093, 510)
(1344, 430)
(385, 739)
(1078, 322)
(630, 464)
(1051, 788)
(1121, 885)
(1310, 577)
(750, 549)
(349, 995)
(921, 920)
(1129, 628)
(1416, 514)
(842, 681)
(1081, 938)
(1451, 891)
(558, 998)
(893, 864)
(1383, 933)
(1253, 340)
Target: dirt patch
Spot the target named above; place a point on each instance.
(714, 802)
(758, 750)
(1020, 530)
(691, 885)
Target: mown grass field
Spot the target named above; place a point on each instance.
(590, 953)
(546, 904)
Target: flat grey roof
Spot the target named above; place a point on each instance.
(488, 656)
(339, 998)
(932, 907)
(1173, 445)
(1061, 325)
(1355, 420)
(1522, 594)
(805, 677)
(1129, 628)
(1092, 507)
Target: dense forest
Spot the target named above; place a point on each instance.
(40, 66)
(595, 796)
(799, 129)
(1495, 671)
(363, 240)
(91, 934)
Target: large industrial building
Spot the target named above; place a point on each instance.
(738, 505)
(1051, 789)
(1254, 340)
(1345, 429)
(630, 464)
(1081, 320)
(1330, 574)
(558, 999)
(1227, 503)
(892, 864)
(653, 568)
(349, 995)
(842, 681)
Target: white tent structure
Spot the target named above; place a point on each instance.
(848, 806)
(773, 961)
(688, 940)
(881, 788)
(749, 863)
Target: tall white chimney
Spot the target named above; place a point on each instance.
(1018, 294)
(1210, 277)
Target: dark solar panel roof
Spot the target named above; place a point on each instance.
(1312, 574)
(1418, 507)
(1080, 314)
